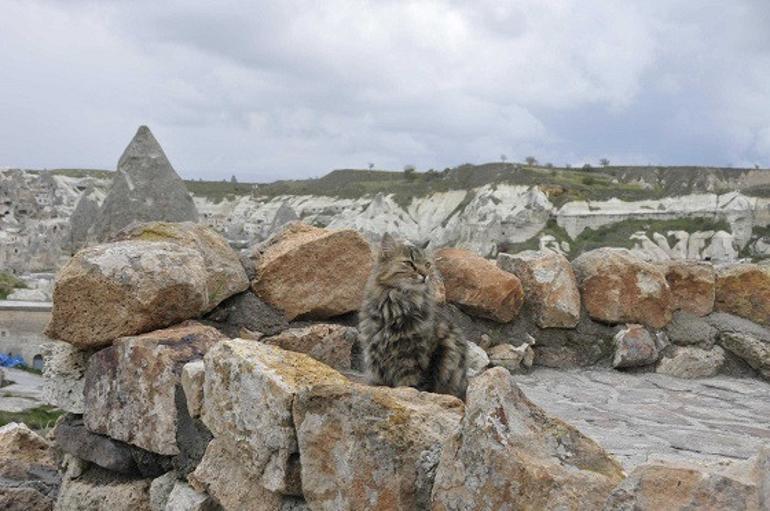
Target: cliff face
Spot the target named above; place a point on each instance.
(658, 215)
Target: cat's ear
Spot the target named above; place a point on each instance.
(423, 244)
(388, 245)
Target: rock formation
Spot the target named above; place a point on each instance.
(145, 188)
(183, 417)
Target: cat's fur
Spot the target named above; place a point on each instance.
(405, 339)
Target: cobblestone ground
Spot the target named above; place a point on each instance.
(641, 417)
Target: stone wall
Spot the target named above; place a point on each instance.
(193, 382)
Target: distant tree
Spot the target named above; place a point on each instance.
(409, 172)
(549, 165)
(568, 166)
(587, 166)
(503, 158)
(371, 166)
(233, 179)
(531, 161)
(604, 162)
(756, 166)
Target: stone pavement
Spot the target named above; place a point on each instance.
(640, 417)
(23, 394)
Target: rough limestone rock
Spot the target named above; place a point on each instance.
(513, 358)
(756, 352)
(688, 329)
(478, 286)
(371, 448)
(549, 284)
(684, 487)
(222, 475)
(184, 498)
(478, 360)
(509, 451)
(64, 371)
(130, 386)
(160, 489)
(327, 343)
(100, 490)
(193, 375)
(692, 286)
(744, 290)
(745, 339)
(617, 287)
(145, 188)
(692, 362)
(313, 273)
(28, 473)
(83, 217)
(248, 394)
(167, 274)
(634, 347)
(72, 437)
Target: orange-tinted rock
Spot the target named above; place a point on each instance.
(478, 286)
(681, 487)
(313, 273)
(744, 290)
(372, 448)
(618, 287)
(549, 284)
(129, 389)
(508, 453)
(692, 286)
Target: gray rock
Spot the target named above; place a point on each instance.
(512, 358)
(72, 437)
(85, 214)
(283, 216)
(193, 374)
(192, 436)
(725, 322)
(634, 347)
(184, 498)
(160, 489)
(145, 188)
(246, 310)
(756, 352)
(692, 362)
(687, 329)
(64, 371)
(477, 359)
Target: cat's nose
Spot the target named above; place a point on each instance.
(424, 278)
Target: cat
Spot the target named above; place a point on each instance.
(405, 339)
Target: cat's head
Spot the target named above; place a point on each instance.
(403, 264)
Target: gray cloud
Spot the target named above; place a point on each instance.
(269, 90)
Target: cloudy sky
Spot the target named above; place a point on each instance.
(287, 89)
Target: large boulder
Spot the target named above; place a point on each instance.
(327, 343)
(371, 447)
(692, 286)
(245, 313)
(313, 273)
(160, 274)
(145, 188)
(478, 286)
(692, 362)
(508, 452)
(744, 290)
(28, 472)
(248, 393)
(666, 486)
(634, 347)
(549, 284)
(617, 287)
(100, 490)
(130, 386)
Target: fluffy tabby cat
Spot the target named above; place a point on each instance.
(406, 341)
